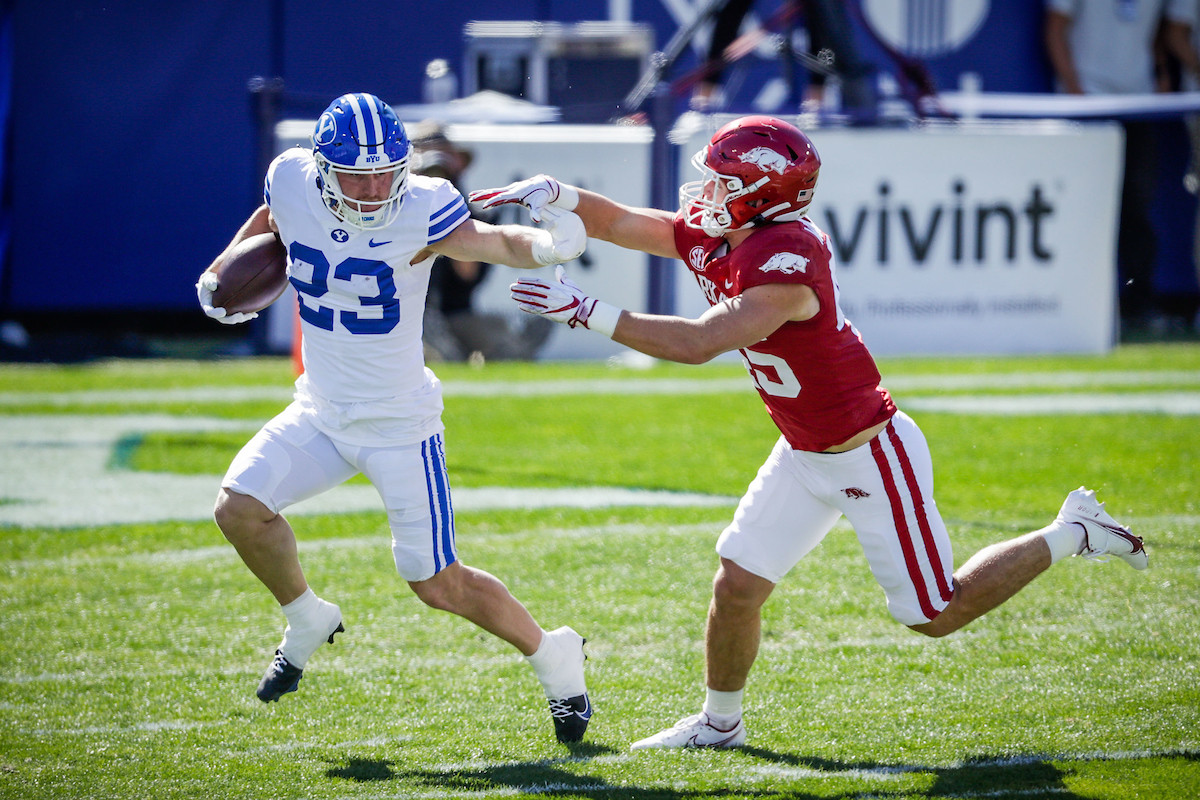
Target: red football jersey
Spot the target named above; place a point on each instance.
(817, 378)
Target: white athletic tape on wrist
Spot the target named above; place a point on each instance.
(601, 318)
(568, 197)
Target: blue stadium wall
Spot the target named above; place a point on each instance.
(133, 153)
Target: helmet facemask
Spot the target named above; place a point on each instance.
(351, 209)
(705, 206)
(360, 135)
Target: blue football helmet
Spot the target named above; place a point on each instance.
(359, 134)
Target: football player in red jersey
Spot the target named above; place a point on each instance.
(769, 275)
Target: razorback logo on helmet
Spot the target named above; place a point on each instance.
(787, 263)
(696, 258)
(765, 159)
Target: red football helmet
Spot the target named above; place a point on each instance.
(755, 169)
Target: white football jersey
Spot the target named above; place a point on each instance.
(361, 303)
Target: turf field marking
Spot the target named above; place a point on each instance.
(622, 386)
(1171, 403)
(211, 553)
(58, 472)
(381, 539)
(152, 726)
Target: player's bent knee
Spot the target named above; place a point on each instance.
(736, 586)
(943, 624)
(931, 629)
(237, 514)
(443, 591)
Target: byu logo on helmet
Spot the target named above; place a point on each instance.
(765, 159)
(326, 129)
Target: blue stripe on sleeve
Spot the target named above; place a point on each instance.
(447, 219)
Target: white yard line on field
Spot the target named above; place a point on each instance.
(620, 386)
(1180, 404)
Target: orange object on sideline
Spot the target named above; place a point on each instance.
(297, 359)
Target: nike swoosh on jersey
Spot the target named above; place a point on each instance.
(373, 243)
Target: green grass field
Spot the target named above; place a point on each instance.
(132, 648)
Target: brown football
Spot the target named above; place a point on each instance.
(252, 275)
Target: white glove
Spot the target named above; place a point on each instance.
(563, 301)
(564, 238)
(204, 290)
(534, 193)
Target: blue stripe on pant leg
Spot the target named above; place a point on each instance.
(448, 529)
(433, 510)
(443, 531)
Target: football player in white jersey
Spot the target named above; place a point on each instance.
(361, 235)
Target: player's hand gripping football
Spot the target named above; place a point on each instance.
(534, 193)
(562, 301)
(204, 291)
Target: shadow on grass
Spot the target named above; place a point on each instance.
(362, 770)
(1027, 778)
(1023, 776)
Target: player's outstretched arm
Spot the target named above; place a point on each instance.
(646, 229)
(563, 239)
(732, 324)
(536, 193)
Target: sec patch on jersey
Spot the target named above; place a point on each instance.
(252, 275)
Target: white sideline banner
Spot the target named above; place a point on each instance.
(981, 238)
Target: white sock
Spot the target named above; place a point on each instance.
(723, 708)
(545, 658)
(307, 628)
(1065, 539)
(545, 661)
(556, 664)
(295, 610)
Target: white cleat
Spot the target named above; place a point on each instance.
(695, 731)
(1103, 535)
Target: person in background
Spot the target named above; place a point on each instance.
(454, 330)
(1181, 44)
(830, 42)
(1108, 48)
(361, 234)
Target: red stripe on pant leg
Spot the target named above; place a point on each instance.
(910, 478)
(904, 536)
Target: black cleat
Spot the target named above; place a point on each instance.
(571, 717)
(281, 677)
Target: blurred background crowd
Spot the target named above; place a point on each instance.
(135, 134)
